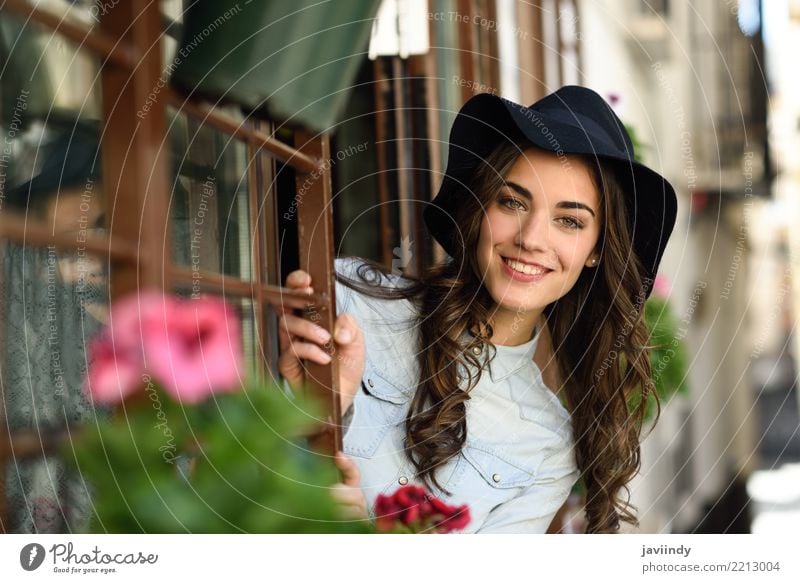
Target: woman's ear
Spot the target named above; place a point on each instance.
(592, 261)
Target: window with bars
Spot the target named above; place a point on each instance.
(111, 182)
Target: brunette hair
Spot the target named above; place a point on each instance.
(600, 346)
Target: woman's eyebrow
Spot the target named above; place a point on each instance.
(565, 204)
(574, 204)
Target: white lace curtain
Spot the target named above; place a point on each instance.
(46, 326)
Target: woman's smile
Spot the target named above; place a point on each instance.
(524, 272)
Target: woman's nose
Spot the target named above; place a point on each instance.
(534, 232)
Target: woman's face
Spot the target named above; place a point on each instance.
(538, 233)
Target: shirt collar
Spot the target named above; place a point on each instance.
(509, 360)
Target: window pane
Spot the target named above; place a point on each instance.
(86, 12)
(209, 206)
(51, 305)
(45, 76)
(50, 161)
(251, 343)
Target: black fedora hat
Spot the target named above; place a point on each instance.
(572, 120)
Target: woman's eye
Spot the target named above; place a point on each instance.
(511, 203)
(571, 222)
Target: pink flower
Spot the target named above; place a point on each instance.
(128, 313)
(194, 348)
(661, 287)
(112, 376)
(115, 356)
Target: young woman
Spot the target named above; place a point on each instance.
(554, 234)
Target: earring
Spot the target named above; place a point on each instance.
(594, 262)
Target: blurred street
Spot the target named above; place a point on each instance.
(773, 487)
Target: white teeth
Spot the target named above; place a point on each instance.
(524, 268)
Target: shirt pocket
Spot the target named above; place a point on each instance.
(379, 406)
(493, 467)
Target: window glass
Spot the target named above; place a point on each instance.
(210, 205)
(52, 304)
(44, 76)
(86, 12)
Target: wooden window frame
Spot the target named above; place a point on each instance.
(127, 42)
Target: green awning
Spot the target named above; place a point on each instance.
(294, 61)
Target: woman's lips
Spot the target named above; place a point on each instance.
(539, 272)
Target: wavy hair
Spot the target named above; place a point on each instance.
(600, 346)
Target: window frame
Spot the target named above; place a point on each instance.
(127, 42)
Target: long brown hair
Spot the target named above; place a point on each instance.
(600, 346)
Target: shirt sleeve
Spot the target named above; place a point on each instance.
(362, 308)
(346, 266)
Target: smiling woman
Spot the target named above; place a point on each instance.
(555, 234)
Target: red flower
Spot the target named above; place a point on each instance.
(412, 509)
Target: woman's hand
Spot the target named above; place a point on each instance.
(302, 339)
(348, 492)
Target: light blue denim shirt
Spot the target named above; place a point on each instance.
(517, 466)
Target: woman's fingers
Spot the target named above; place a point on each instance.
(300, 339)
(298, 281)
(353, 513)
(347, 331)
(290, 360)
(348, 493)
(295, 326)
(350, 474)
(305, 350)
(351, 354)
(351, 501)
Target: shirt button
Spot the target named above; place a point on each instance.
(371, 384)
(496, 477)
(403, 480)
(476, 350)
